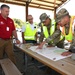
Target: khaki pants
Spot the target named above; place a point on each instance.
(7, 47)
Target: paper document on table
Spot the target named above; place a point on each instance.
(34, 48)
(52, 53)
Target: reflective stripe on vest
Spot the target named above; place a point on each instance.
(70, 35)
(52, 29)
(29, 34)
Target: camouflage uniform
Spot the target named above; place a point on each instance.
(42, 34)
(56, 36)
(56, 39)
(42, 18)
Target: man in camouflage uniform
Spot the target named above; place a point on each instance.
(48, 23)
(62, 19)
(44, 17)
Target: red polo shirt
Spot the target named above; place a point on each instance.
(6, 27)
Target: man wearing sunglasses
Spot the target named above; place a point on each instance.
(29, 31)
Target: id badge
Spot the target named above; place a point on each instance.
(7, 28)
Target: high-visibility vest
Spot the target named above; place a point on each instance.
(52, 29)
(29, 34)
(71, 32)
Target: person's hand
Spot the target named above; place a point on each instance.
(40, 46)
(17, 42)
(24, 41)
(66, 53)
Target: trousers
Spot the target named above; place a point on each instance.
(6, 46)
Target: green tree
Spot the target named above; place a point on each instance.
(18, 23)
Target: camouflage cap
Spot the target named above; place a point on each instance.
(43, 17)
(63, 12)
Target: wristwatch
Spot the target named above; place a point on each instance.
(70, 50)
(16, 38)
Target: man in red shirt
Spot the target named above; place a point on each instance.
(7, 30)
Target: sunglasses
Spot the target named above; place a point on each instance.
(30, 19)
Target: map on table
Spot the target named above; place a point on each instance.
(52, 53)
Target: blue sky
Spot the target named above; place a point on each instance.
(19, 11)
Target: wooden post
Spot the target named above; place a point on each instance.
(27, 3)
(54, 13)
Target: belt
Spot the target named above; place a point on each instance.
(5, 39)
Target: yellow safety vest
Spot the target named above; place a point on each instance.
(52, 29)
(70, 35)
(29, 34)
